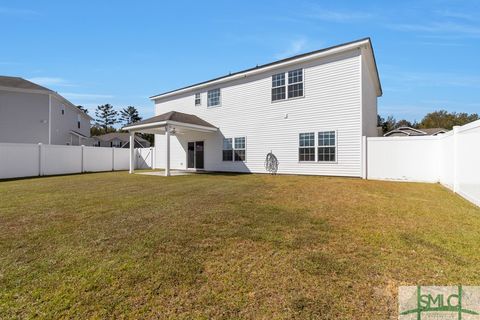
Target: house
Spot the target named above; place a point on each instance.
(118, 140)
(408, 131)
(30, 113)
(311, 111)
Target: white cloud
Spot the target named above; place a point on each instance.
(456, 15)
(86, 96)
(295, 47)
(17, 12)
(439, 27)
(339, 16)
(51, 81)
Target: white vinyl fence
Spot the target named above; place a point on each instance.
(26, 160)
(453, 159)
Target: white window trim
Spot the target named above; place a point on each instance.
(318, 146)
(219, 99)
(316, 162)
(233, 149)
(195, 99)
(233, 156)
(314, 146)
(286, 87)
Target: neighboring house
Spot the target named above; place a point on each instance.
(118, 140)
(311, 111)
(30, 113)
(408, 131)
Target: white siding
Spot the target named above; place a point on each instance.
(369, 99)
(63, 123)
(23, 117)
(332, 101)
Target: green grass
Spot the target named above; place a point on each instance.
(227, 246)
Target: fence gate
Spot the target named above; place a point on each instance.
(144, 158)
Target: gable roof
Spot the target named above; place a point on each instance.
(174, 116)
(365, 41)
(123, 136)
(20, 83)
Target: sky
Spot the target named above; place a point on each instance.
(122, 52)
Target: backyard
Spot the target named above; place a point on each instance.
(226, 246)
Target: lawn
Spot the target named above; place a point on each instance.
(227, 246)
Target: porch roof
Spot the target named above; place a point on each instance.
(174, 118)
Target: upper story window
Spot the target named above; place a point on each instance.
(198, 100)
(213, 98)
(78, 121)
(326, 146)
(278, 87)
(294, 84)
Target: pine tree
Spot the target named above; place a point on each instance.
(106, 116)
(129, 115)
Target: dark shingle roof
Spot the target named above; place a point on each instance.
(20, 83)
(123, 136)
(174, 116)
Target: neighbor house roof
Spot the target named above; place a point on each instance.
(122, 136)
(408, 131)
(279, 63)
(173, 116)
(20, 84)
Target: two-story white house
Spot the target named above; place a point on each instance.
(30, 113)
(311, 111)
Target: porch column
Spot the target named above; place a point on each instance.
(132, 152)
(167, 151)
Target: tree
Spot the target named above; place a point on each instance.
(445, 119)
(129, 115)
(83, 109)
(403, 123)
(389, 124)
(106, 117)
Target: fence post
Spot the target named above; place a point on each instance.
(455, 159)
(81, 160)
(40, 164)
(113, 159)
(364, 157)
(151, 157)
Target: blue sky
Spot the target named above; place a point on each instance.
(122, 52)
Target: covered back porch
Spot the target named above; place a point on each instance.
(168, 124)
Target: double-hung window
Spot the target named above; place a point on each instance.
(295, 83)
(198, 100)
(326, 146)
(227, 149)
(278, 87)
(213, 98)
(306, 148)
(287, 85)
(240, 149)
(234, 149)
